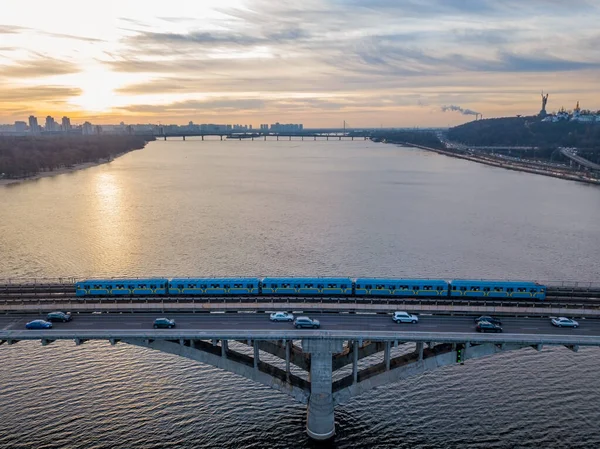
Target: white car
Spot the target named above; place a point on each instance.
(281, 316)
(405, 317)
(564, 322)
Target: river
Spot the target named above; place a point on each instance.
(294, 208)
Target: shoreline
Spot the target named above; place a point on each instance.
(505, 165)
(60, 171)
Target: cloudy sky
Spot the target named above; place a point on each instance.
(317, 62)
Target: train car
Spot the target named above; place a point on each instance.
(306, 286)
(400, 287)
(214, 286)
(121, 287)
(497, 289)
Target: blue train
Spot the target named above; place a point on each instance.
(290, 286)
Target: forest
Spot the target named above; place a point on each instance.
(423, 138)
(21, 157)
(527, 131)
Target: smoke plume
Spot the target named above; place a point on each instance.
(453, 107)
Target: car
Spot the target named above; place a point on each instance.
(489, 319)
(59, 316)
(38, 324)
(304, 321)
(281, 316)
(486, 326)
(405, 317)
(164, 323)
(564, 322)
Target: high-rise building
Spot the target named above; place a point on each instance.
(66, 123)
(33, 124)
(50, 124)
(20, 127)
(87, 129)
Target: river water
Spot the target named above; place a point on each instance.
(294, 208)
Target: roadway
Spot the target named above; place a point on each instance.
(366, 323)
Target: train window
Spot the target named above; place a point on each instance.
(87, 287)
(180, 286)
(249, 285)
(521, 289)
(368, 287)
(331, 285)
(308, 285)
(162, 285)
(343, 286)
(203, 285)
(320, 285)
(542, 290)
(454, 287)
(153, 286)
(427, 287)
(510, 289)
(357, 285)
(486, 289)
(498, 289)
(273, 285)
(474, 289)
(238, 286)
(297, 285)
(109, 287)
(142, 286)
(379, 287)
(463, 289)
(533, 290)
(215, 285)
(404, 287)
(439, 288)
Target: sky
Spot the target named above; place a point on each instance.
(402, 63)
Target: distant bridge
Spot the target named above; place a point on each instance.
(580, 160)
(268, 136)
(234, 343)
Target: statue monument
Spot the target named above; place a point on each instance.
(543, 112)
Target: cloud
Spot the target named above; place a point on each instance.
(37, 68)
(455, 108)
(37, 93)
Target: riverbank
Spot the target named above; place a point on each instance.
(59, 171)
(509, 165)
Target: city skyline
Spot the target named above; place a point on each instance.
(382, 63)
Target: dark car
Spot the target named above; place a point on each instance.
(304, 321)
(59, 316)
(486, 326)
(164, 323)
(38, 324)
(489, 319)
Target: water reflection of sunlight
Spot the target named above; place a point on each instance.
(111, 222)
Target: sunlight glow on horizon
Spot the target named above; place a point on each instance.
(253, 61)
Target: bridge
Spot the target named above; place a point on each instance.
(350, 355)
(268, 135)
(579, 160)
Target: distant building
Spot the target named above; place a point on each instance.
(20, 127)
(33, 125)
(87, 129)
(286, 128)
(51, 124)
(66, 124)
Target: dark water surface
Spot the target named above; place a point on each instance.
(298, 208)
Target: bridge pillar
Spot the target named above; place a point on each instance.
(183, 137)
(265, 137)
(320, 422)
(420, 347)
(221, 137)
(277, 137)
(256, 354)
(315, 137)
(355, 362)
(165, 137)
(224, 348)
(287, 359)
(290, 137)
(386, 355)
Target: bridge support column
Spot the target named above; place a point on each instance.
(287, 360)
(183, 137)
(386, 355)
(420, 347)
(224, 348)
(355, 361)
(320, 422)
(165, 137)
(256, 356)
(202, 136)
(221, 137)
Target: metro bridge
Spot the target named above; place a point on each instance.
(234, 343)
